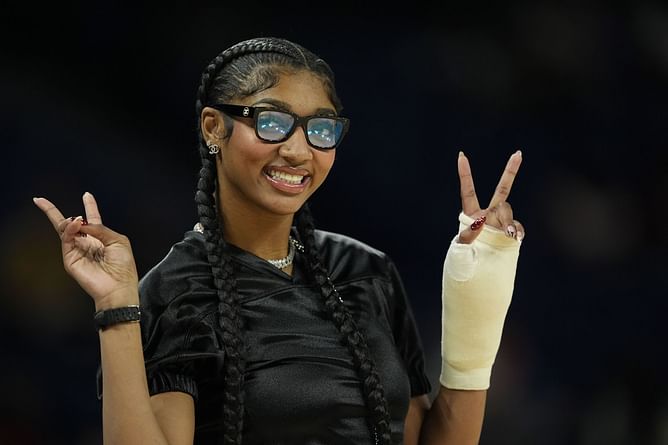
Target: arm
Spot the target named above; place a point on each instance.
(129, 414)
(101, 261)
(454, 418)
(478, 281)
(175, 413)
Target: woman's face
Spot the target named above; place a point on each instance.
(254, 175)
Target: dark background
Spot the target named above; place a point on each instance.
(102, 100)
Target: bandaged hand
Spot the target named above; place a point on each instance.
(478, 281)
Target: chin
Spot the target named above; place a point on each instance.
(284, 207)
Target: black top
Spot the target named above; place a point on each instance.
(300, 383)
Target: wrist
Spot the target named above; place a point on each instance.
(110, 317)
(465, 379)
(128, 296)
(478, 283)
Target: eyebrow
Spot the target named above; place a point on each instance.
(286, 106)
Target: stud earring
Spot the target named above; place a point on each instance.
(213, 148)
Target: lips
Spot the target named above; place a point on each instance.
(287, 179)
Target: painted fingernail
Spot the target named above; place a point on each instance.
(510, 231)
(478, 223)
(84, 222)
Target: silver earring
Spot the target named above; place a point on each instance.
(213, 148)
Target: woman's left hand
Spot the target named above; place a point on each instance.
(498, 213)
(478, 281)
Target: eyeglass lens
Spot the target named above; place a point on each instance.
(321, 132)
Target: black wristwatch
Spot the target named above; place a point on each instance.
(108, 317)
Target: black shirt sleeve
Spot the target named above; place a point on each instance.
(179, 315)
(406, 335)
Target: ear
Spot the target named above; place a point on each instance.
(212, 125)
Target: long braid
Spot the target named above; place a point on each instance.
(222, 269)
(229, 320)
(224, 280)
(374, 394)
(214, 82)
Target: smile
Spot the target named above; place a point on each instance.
(293, 182)
(285, 177)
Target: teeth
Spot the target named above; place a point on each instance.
(291, 179)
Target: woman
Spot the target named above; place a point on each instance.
(257, 328)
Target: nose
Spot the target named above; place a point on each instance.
(295, 149)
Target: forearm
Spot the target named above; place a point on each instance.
(455, 418)
(127, 416)
(478, 280)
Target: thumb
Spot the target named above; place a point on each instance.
(104, 234)
(468, 235)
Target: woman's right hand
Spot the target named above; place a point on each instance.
(98, 258)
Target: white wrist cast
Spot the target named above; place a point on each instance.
(478, 280)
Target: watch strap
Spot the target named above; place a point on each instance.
(109, 317)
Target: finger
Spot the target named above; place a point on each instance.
(506, 182)
(69, 234)
(521, 232)
(51, 212)
(468, 235)
(504, 219)
(61, 227)
(71, 228)
(92, 212)
(470, 205)
(104, 234)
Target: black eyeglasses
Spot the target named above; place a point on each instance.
(273, 126)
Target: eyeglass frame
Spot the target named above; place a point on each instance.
(299, 121)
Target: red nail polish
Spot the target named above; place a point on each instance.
(84, 222)
(478, 223)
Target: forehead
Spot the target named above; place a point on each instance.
(303, 91)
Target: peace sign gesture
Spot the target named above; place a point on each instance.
(98, 258)
(478, 282)
(498, 213)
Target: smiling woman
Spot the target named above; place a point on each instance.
(258, 328)
(253, 169)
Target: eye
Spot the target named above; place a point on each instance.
(274, 125)
(324, 132)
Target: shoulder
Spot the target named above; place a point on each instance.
(348, 258)
(337, 241)
(184, 267)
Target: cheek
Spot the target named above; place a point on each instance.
(330, 160)
(325, 160)
(245, 149)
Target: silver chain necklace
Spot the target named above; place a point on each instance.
(280, 263)
(284, 262)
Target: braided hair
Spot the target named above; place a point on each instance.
(240, 71)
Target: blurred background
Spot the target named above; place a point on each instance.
(101, 99)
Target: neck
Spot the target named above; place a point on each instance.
(264, 235)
